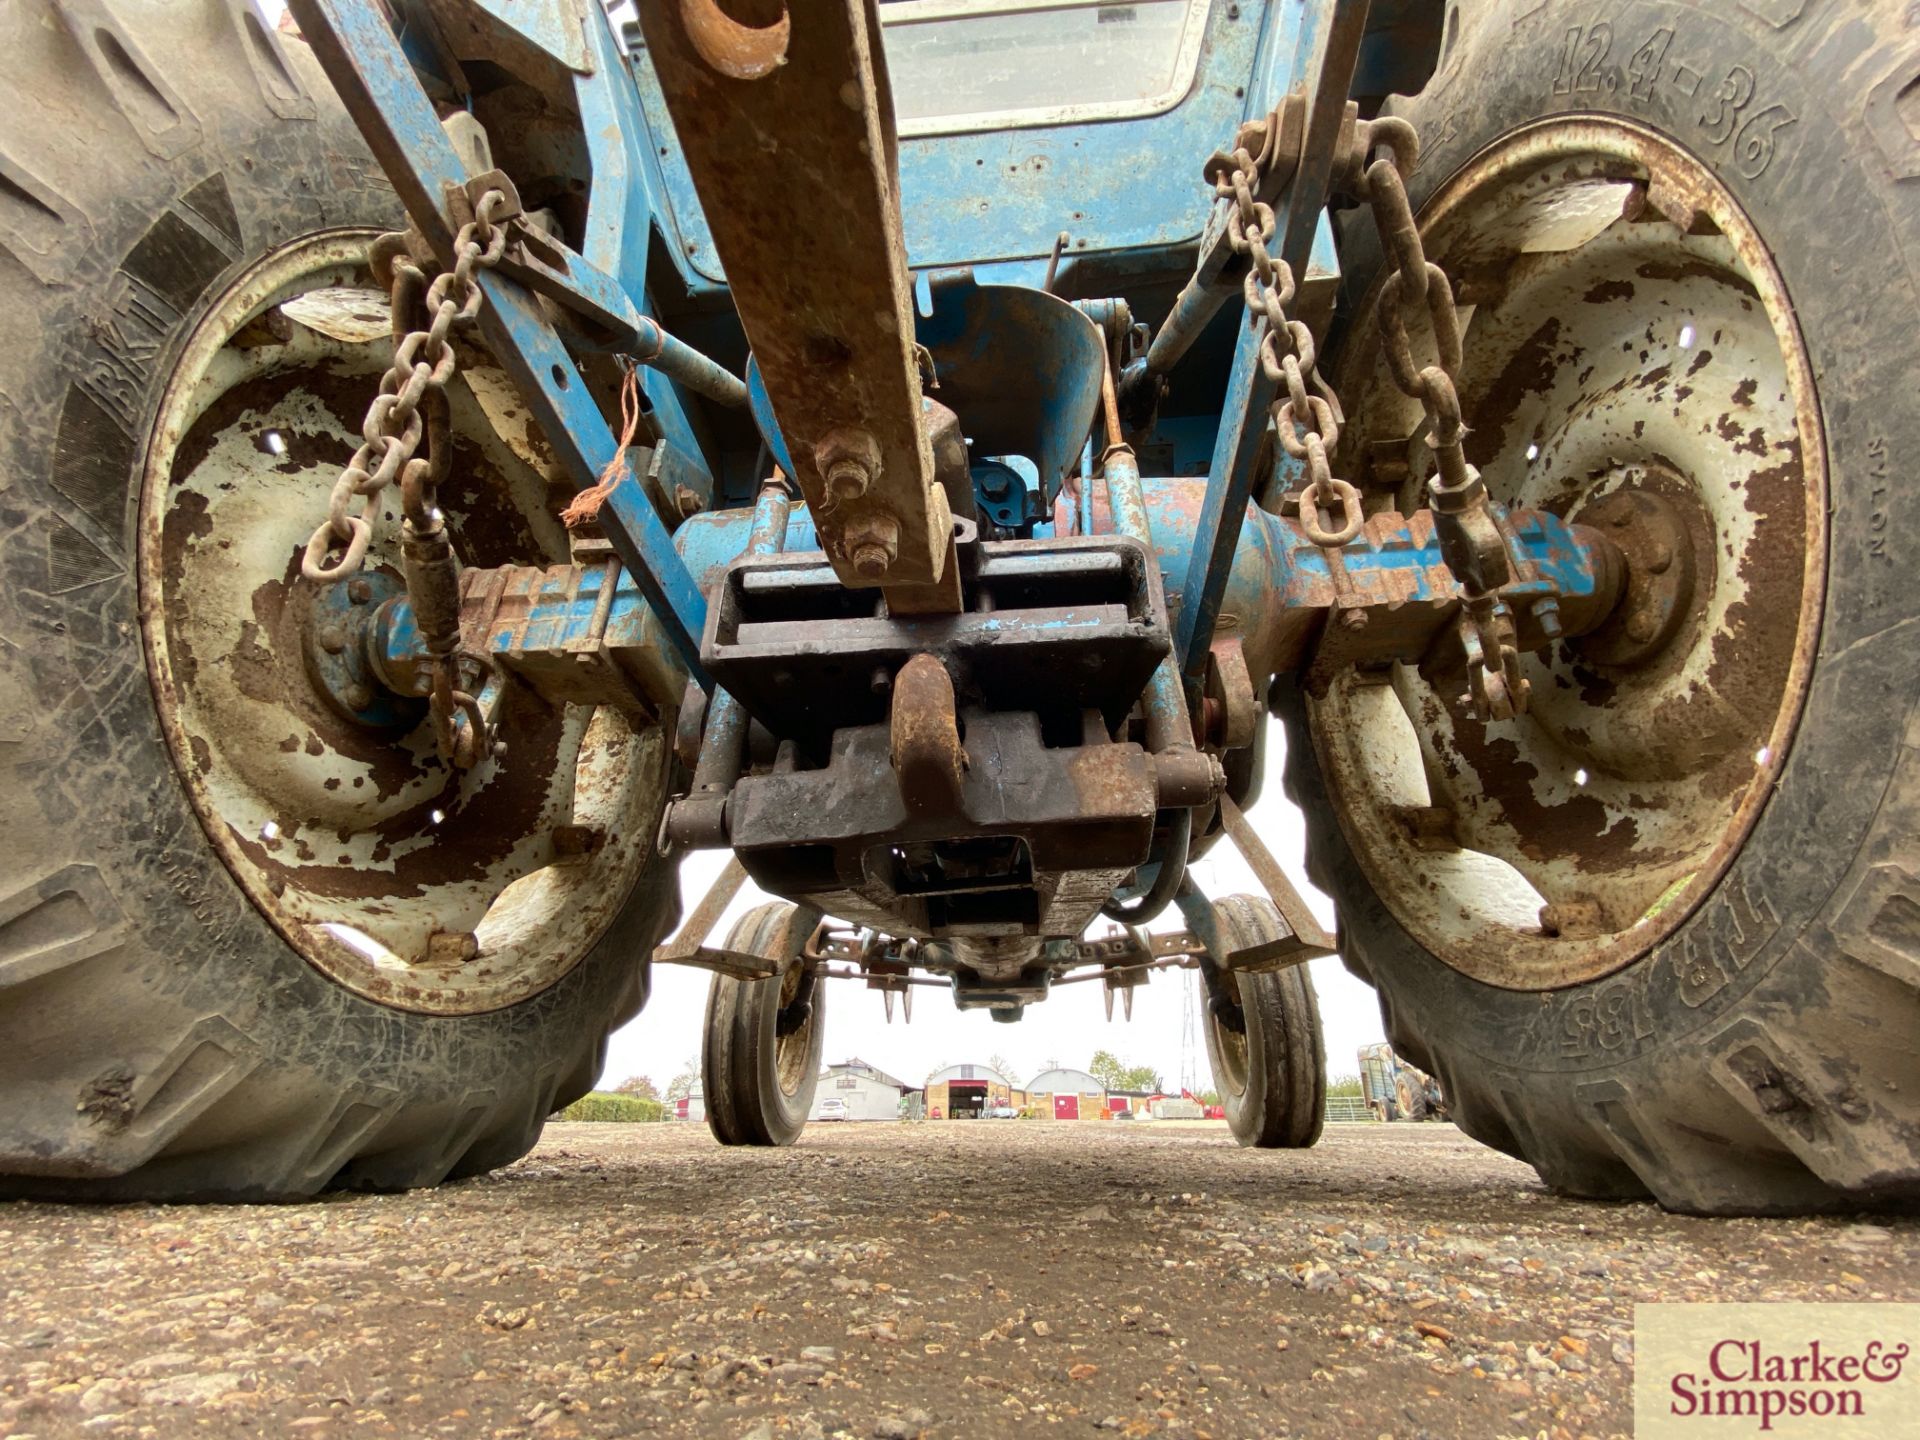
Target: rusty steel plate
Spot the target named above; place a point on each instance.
(788, 131)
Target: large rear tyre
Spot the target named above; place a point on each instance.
(1269, 1060)
(249, 949)
(1658, 936)
(761, 1060)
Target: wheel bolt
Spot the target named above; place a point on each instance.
(359, 591)
(1640, 627)
(358, 695)
(1659, 557)
(333, 639)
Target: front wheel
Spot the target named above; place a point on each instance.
(1263, 1038)
(1657, 935)
(761, 1061)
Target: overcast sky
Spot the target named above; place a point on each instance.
(1068, 1026)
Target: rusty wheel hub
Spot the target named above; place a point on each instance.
(415, 885)
(1659, 552)
(1631, 363)
(793, 1043)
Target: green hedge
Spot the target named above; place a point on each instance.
(620, 1109)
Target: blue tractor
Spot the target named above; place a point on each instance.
(461, 456)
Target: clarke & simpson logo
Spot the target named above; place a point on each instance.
(1744, 1378)
(1786, 1370)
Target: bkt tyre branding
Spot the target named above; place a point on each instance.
(1786, 1370)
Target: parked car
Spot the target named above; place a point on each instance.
(833, 1108)
(1003, 1112)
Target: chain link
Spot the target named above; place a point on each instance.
(1472, 538)
(423, 362)
(1306, 413)
(1414, 286)
(411, 406)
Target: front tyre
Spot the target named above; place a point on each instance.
(1657, 936)
(1264, 1042)
(761, 1061)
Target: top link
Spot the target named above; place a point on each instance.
(423, 361)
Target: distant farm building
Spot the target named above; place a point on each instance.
(691, 1106)
(869, 1092)
(967, 1092)
(1062, 1094)
(1138, 1102)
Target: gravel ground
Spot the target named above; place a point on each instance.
(989, 1279)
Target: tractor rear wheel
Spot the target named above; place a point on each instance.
(251, 947)
(1660, 935)
(761, 1060)
(1269, 1060)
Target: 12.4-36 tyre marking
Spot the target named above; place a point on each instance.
(1726, 111)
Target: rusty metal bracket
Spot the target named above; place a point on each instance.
(689, 947)
(928, 757)
(735, 963)
(817, 267)
(1308, 940)
(876, 959)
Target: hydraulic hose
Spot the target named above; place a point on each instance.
(1166, 884)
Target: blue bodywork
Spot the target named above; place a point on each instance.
(1277, 587)
(996, 199)
(1116, 204)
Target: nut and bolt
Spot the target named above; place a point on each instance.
(333, 639)
(871, 545)
(847, 479)
(359, 591)
(1641, 626)
(1659, 557)
(358, 695)
(995, 484)
(848, 461)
